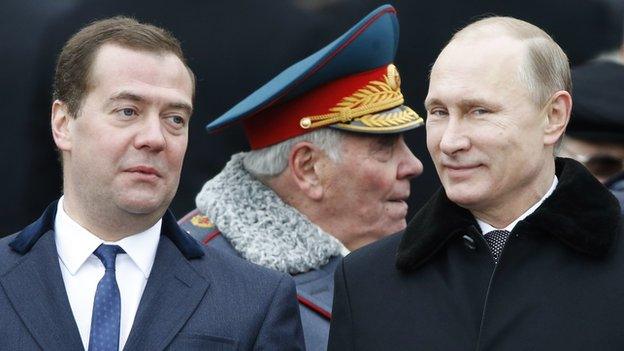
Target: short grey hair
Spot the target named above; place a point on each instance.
(272, 160)
(546, 69)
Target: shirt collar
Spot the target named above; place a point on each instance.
(75, 244)
(486, 227)
(142, 247)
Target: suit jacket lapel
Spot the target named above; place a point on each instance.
(173, 292)
(36, 290)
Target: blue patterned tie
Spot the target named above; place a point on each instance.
(104, 334)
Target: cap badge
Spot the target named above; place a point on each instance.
(394, 79)
(201, 221)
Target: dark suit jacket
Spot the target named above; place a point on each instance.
(195, 299)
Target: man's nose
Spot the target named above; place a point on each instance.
(410, 165)
(454, 137)
(151, 134)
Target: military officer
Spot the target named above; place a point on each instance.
(328, 172)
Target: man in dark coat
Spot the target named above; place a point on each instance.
(519, 250)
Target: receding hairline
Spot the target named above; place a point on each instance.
(513, 27)
(515, 50)
(486, 28)
(503, 28)
(545, 66)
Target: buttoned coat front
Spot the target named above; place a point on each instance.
(195, 299)
(558, 285)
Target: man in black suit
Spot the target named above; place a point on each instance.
(520, 250)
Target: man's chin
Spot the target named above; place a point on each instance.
(143, 206)
(463, 193)
(466, 200)
(396, 226)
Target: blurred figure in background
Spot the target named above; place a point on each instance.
(595, 134)
(329, 170)
(21, 30)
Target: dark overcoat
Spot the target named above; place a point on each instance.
(559, 284)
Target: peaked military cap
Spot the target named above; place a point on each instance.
(351, 84)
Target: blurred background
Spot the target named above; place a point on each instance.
(234, 47)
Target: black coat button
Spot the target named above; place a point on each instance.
(469, 242)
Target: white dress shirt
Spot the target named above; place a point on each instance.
(82, 270)
(486, 227)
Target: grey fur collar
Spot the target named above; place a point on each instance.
(260, 226)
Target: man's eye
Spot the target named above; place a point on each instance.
(128, 112)
(177, 121)
(480, 111)
(437, 112)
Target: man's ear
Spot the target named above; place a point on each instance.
(304, 163)
(61, 129)
(558, 115)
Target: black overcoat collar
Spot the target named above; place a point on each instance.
(581, 213)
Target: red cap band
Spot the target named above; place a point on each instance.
(282, 122)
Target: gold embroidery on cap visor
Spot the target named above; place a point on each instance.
(376, 108)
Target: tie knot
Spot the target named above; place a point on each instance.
(496, 240)
(495, 234)
(107, 254)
